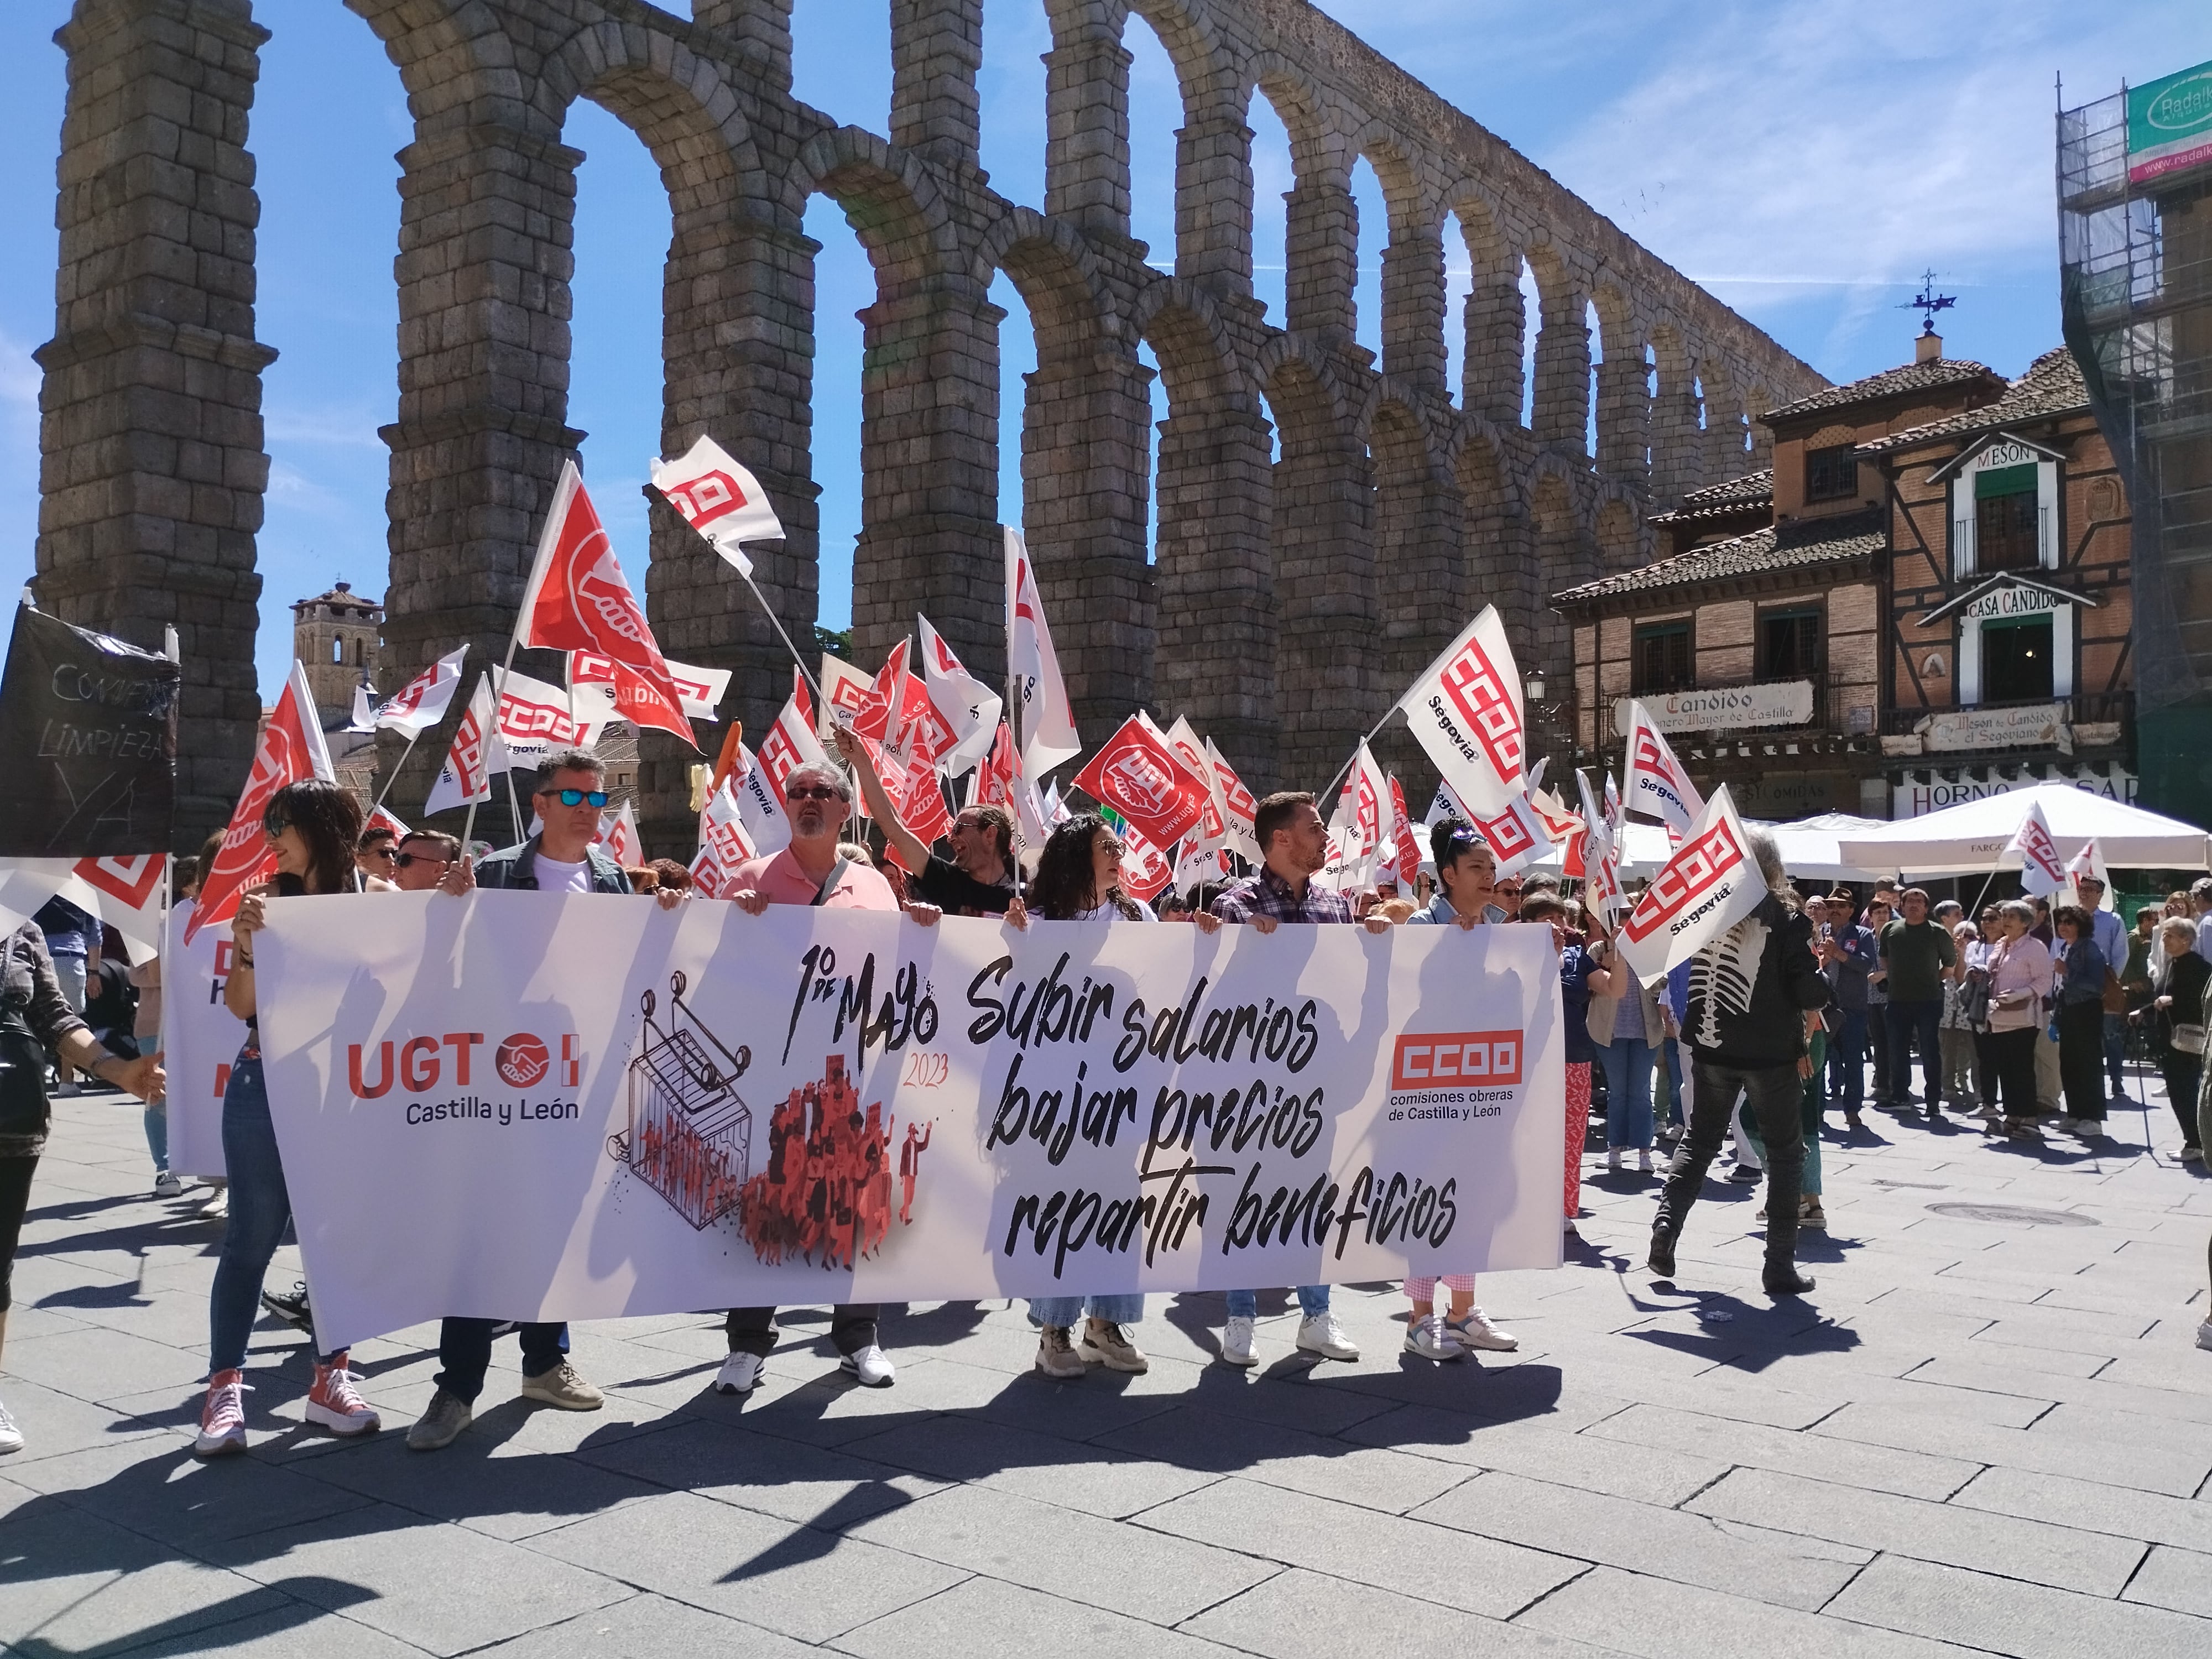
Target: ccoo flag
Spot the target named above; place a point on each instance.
(1466, 710)
(1710, 883)
(719, 499)
(1047, 721)
(1657, 784)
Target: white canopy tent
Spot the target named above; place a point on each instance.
(1969, 839)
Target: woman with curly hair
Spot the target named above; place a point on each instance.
(1078, 875)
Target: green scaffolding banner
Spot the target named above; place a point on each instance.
(2170, 124)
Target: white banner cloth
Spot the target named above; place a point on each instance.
(579, 1106)
(200, 1039)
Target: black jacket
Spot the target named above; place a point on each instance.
(1750, 989)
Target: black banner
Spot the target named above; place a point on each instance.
(87, 743)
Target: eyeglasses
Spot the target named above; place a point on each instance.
(409, 860)
(379, 852)
(578, 796)
(813, 792)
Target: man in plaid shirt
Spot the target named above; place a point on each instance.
(1294, 841)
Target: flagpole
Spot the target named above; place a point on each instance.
(1372, 734)
(498, 691)
(396, 771)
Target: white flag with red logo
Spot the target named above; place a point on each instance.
(534, 719)
(1408, 866)
(883, 704)
(618, 835)
(2042, 871)
(604, 689)
(579, 600)
(1363, 809)
(998, 782)
(760, 804)
(1190, 748)
(921, 730)
(1239, 805)
(969, 709)
(845, 691)
(1466, 710)
(1056, 810)
(910, 778)
(1601, 858)
(1657, 784)
(1140, 777)
(1710, 885)
(420, 703)
(127, 889)
(724, 843)
(1048, 718)
(1616, 812)
(791, 743)
(382, 817)
(290, 751)
(1561, 824)
(719, 500)
(466, 775)
(2088, 864)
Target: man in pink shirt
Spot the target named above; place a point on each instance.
(810, 871)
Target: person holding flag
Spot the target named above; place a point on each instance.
(1753, 982)
(1294, 846)
(977, 880)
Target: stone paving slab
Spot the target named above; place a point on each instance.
(1972, 1436)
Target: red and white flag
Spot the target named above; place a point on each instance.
(1710, 885)
(1657, 784)
(845, 691)
(534, 719)
(1601, 860)
(1190, 748)
(882, 706)
(382, 817)
(475, 755)
(791, 743)
(291, 750)
(128, 888)
(760, 804)
(1466, 710)
(604, 689)
(1517, 836)
(2088, 864)
(998, 782)
(921, 731)
(579, 600)
(971, 709)
(1056, 810)
(420, 703)
(910, 779)
(618, 835)
(1616, 812)
(1048, 718)
(1140, 777)
(1559, 824)
(1146, 869)
(724, 843)
(2042, 871)
(1407, 865)
(719, 500)
(1239, 805)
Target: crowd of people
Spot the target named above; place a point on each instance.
(1745, 1047)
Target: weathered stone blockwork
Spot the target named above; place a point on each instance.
(1325, 521)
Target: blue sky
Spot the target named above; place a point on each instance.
(1804, 161)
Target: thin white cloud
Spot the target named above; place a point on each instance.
(346, 428)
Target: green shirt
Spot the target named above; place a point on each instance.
(1916, 956)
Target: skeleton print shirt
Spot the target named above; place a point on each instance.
(1750, 987)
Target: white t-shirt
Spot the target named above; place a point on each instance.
(555, 877)
(1108, 913)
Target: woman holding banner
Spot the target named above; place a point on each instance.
(313, 827)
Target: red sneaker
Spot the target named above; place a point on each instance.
(222, 1418)
(334, 1404)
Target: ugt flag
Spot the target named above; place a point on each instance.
(291, 750)
(1141, 778)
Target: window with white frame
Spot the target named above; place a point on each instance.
(2004, 510)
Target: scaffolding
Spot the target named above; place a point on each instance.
(2134, 229)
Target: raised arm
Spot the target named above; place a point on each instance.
(913, 852)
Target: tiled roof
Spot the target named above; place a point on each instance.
(1787, 547)
(1897, 382)
(2052, 386)
(342, 594)
(1750, 489)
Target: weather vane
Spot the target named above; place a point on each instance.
(1928, 302)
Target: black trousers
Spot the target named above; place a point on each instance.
(2182, 1073)
(1777, 1095)
(752, 1330)
(2014, 1051)
(464, 1352)
(2082, 1059)
(14, 1198)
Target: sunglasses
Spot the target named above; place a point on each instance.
(380, 852)
(578, 796)
(409, 860)
(274, 823)
(813, 792)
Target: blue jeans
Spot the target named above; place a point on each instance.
(261, 1210)
(464, 1352)
(1627, 1062)
(1670, 1082)
(1919, 1020)
(1065, 1310)
(1847, 1058)
(1313, 1302)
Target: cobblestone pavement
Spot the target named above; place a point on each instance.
(1987, 1430)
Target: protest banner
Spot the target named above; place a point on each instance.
(87, 743)
(580, 1107)
(200, 1040)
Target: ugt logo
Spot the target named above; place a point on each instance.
(522, 1060)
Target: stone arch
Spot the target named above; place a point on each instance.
(1677, 442)
(1419, 557)
(1619, 535)
(1213, 147)
(1563, 355)
(1328, 610)
(684, 110)
(1623, 404)
(1413, 263)
(889, 196)
(1085, 459)
(1298, 107)
(1213, 573)
(1566, 556)
(1490, 371)
(427, 41)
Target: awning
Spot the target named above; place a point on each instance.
(1969, 839)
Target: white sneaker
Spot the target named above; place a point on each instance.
(1611, 1159)
(218, 1207)
(1237, 1342)
(11, 1437)
(872, 1366)
(1644, 1160)
(740, 1374)
(166, 1185)
(1477, 1332)
(1322, 1335)
(1427, 1337)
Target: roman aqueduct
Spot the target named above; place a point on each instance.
(1325, 520)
